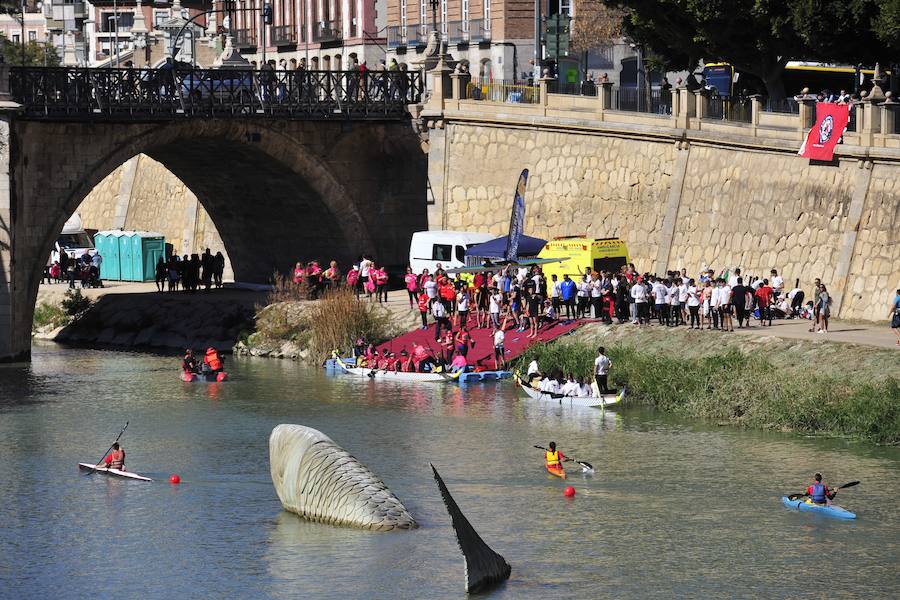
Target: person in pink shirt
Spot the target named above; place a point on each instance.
(412, 286)
(299, 273)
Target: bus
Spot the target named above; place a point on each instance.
(724, 80)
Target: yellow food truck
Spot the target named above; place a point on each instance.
(603, 254)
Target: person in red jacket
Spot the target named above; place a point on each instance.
(423, 309)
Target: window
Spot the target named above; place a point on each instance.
(159, 16)
(442, 252)
(32, 36)
(423, 16)
(461, 254)
(403, 18)
(444, 18)
(16, 38)
(487, 15)
(465, 15)
(565, 7)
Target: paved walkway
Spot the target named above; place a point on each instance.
(879, 335)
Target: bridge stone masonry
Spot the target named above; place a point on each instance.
(278, 186)
(683, 190)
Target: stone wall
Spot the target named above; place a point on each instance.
(685, 204)
(578, 184)
(143, 195)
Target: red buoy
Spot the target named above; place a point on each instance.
(174, 478)
(569, 492)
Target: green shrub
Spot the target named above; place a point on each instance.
(49, 314)
(75, 304)
(740, 388)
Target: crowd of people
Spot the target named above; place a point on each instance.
(524, 300)
(190, 273)
(85, 269)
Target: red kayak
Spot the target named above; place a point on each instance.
(205, 377)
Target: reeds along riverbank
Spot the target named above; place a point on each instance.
(752, 381)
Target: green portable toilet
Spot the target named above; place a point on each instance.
(126, 265)
(147, 247)
(107, 244)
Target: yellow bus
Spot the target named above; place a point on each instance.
(578, 253)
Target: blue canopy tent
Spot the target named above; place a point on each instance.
(528, 246)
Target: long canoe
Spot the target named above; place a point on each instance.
(112, 472)
(601, 401)
(388, 375)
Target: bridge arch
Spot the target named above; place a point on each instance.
(277, 191)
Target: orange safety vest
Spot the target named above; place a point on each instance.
(213, 360)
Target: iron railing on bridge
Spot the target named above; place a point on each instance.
(85, 93)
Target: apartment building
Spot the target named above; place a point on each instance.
(330, 35)
(495, 38)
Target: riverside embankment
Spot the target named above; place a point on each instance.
(135, 315)
(759, 381)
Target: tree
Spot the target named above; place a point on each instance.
(759, 36)
(37, 54)
(595, 25)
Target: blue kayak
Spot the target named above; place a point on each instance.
(833, 510)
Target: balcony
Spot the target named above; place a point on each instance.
(477, 31)
(458, 32)
(396, 37)
(327, 31)
(284, 35)
(244, 38)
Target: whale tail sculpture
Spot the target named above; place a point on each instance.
(484, 567)
(320, 481)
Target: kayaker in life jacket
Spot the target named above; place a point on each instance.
(212, 361)
(818, 492)
(116, 458)
(189, 362)
(554, 457)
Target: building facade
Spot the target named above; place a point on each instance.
(34, 27)
(496, 39)
(328, 35)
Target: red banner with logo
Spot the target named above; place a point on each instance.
(831, 123)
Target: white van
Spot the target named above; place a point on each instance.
(428, 248)
(74, 240)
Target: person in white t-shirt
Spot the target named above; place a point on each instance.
(659, 293)
(674, 305)
(601, 369)
(494, 302)
(693, 304)
(715, 303)
(499, 350)
(533, 370)
(732, 279)
(777, 284)
(682, 299)
(639, 294)
(725, 307)
(570, 388)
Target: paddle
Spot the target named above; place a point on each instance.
(846, 485)
(583, 463)
(92, 471)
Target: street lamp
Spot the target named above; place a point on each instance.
(115, 42)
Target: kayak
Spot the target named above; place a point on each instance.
(112, 472)
(557, 470)
(830, 510)
(207, 377)
(386, 375)
(601, 401)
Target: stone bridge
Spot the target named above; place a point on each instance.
(278, 189)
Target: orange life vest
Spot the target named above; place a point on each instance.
(213, 360)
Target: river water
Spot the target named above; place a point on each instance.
(674, 509)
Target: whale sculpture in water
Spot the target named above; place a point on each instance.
(320, 481)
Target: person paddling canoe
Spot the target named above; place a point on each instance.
(116, 458)
(819, 493)
(555, 460)
(189, 362)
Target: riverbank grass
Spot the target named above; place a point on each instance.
(738, 385)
